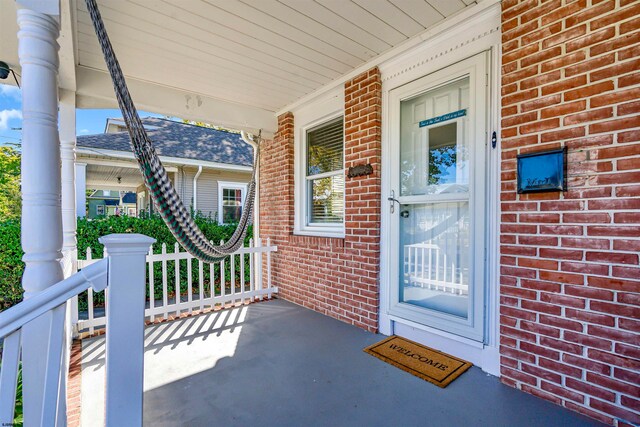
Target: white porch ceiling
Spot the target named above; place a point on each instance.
(106, 177)
(258, 54)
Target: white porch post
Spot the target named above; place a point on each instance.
(68, 156)
(81, 190)
(125, 327)
(41, 215)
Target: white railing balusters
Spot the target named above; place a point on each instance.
(237, 292)
(242, 279)
(212, 283)
(201, 283)
(223, 290)
(251, 269)
(178, 300)
(47, 306)
(422, 267)
(152, 298)
(232, 284)
(54, 362)
(165, 302)
(9, 376)
(259, 283)
(269, 266)
(90, 295)
(190, 284)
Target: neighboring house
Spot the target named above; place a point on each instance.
(209, 168)
(108, 203)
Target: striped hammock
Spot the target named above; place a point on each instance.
(164, 196)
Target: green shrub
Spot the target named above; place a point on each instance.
(88, 233)
(11, 265)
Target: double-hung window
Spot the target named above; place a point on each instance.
(324, 177)
(230, 201)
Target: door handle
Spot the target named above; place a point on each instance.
(392, 199)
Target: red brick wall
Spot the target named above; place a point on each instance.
(570, 280)
(337, 277)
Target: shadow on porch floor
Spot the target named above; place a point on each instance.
(277, 364)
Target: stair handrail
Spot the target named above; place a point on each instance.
(94, 275)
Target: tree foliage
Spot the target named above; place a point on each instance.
(10, 200)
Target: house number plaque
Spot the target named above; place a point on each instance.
(360, 170)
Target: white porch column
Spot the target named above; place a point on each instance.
(68, 156)
(67, 131)
(41, 215)
(125, 327)
(81, 190)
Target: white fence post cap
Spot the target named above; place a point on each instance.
(127, 243)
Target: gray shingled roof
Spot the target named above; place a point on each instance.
(184, 141)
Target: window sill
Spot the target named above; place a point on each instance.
(320, 233)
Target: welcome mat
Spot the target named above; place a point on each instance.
(423, 362)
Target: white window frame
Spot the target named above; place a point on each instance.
(222, 185)
(100, 208)
(322, 111)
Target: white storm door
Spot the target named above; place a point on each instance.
(438, 155)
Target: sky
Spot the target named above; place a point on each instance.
(87, 121)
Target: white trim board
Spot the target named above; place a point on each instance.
(164, 159)
(457, 41)
(116, 164)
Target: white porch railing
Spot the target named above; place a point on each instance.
(51, 302)
(178, 283)
(427, 266)
(123, 273)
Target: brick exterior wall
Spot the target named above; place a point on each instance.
(570, 280)
(336, 277)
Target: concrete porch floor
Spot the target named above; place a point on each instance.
(277, 364)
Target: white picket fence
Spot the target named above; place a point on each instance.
(216, 290)
(426, 265)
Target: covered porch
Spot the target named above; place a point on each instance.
(544, 308)
(274, 363)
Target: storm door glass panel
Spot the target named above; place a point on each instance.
(231, 205)
(434, 241)
(434, 230)
(434, 154)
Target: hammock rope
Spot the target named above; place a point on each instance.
(163, 194)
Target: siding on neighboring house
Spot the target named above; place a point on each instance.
(207, 187)
(335, 276)
(570, 279)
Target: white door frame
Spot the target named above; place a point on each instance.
(480, 33)
(475, 68)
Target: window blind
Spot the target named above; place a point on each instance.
(325, 173)
(325, 146)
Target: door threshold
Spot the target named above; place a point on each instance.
(434, 331)
(483, 356)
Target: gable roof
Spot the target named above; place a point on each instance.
(181, 140)
(100, 194)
